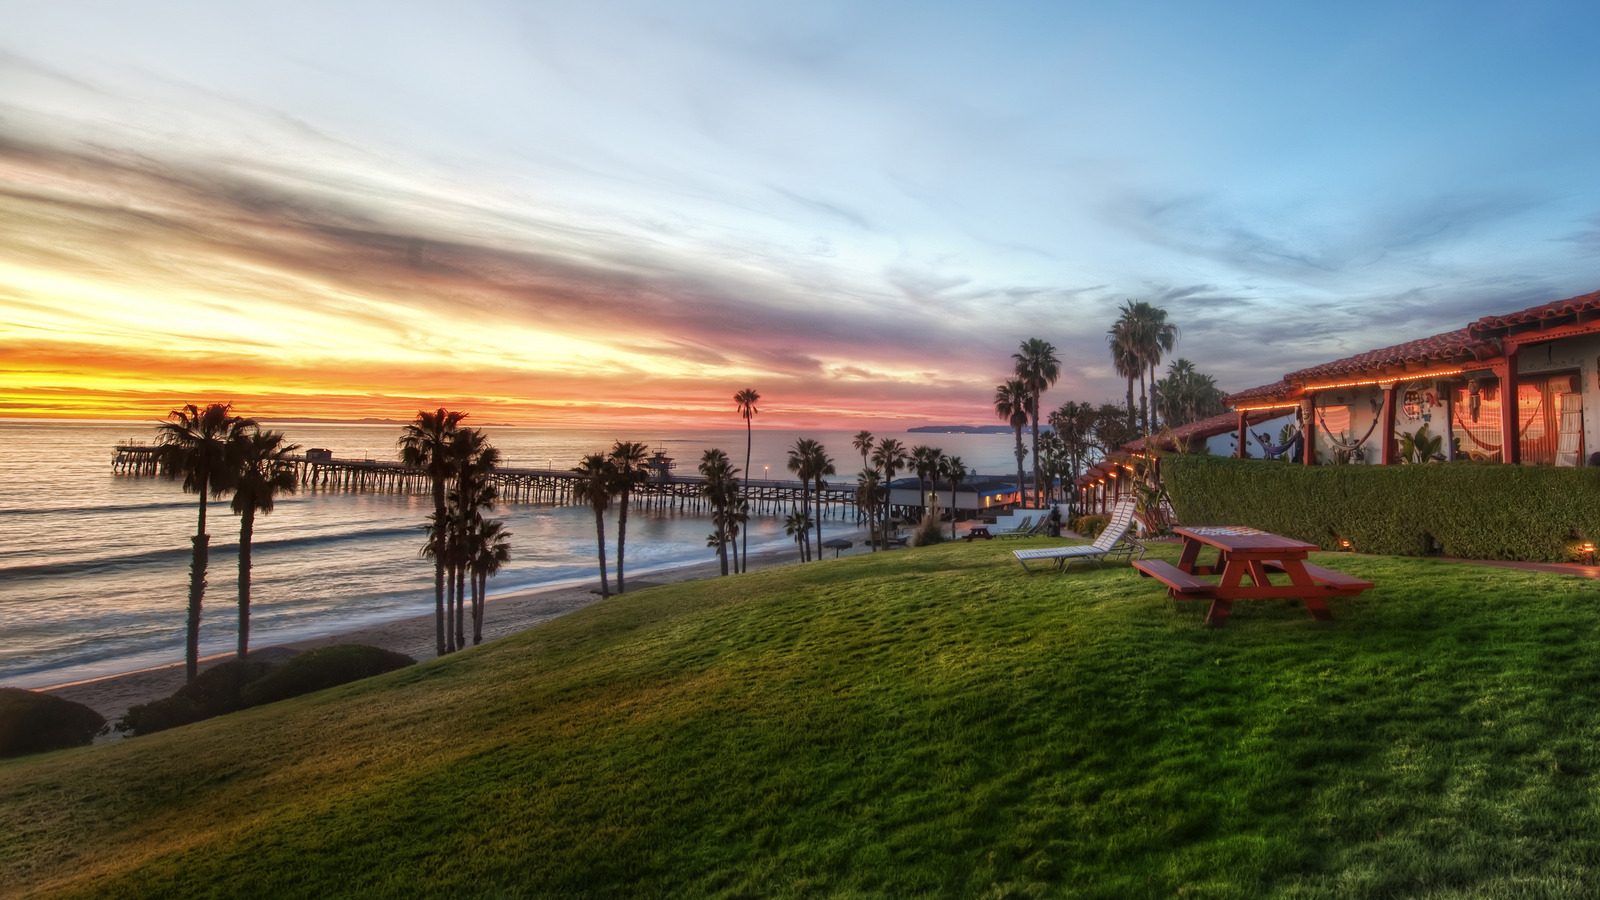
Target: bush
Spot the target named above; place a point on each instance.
(1089, 526)
(215, 691)
(1466, 509)
(159, 715)
(929, 531)
(31, 722)
(323, 668)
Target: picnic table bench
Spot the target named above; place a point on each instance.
(1177, 580)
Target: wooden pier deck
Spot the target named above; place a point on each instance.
(516, 485)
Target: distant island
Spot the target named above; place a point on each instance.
(960, 429)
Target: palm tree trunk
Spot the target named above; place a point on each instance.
(461, 611)
(600, 535)
(247, 527)
(440, 527)
(622, 537)
(1132, 415)
(744, 537)
(1020, 454)
(477, 607)
(197, 591)
(1038, 478)
(1144, 405)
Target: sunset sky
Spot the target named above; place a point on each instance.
(571, 212)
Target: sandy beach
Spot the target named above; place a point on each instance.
(112, 695)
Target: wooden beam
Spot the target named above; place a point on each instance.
(1510, 416)
(1308, 415)
(1386, 454)
(1449, 403)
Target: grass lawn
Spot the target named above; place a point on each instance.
(931, 722)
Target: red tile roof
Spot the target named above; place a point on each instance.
(1267, 393)
(1442, 349)
(1548, 313)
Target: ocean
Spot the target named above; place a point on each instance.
(94, 566)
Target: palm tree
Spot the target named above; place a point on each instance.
(595, 487)
(924, 461)
(472, 460)
(490, 546)
(1124, 338)
(1037, 368)
(863, 445)
(890, 457)
(1014, 403)
(821, 464)
(425, 444)
(628, 457)
(745, 400)
(1052, 458)
(721, 489)
(807, 460)
(1138, 338)
(196, 444)
(868, 484)
(1156, 335)
(263, 470)
(798, 526)
(952, 468)
(1074, 423)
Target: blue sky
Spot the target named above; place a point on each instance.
(859, 208)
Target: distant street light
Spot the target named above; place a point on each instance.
(764, 470)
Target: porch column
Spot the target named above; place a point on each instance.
(1244, 436)
(1510, 415)
(1308, 414)
(1386, 456)
(1449, 403)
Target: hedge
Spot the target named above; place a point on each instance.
(326, 667)
(1464, 509)
(233, 685)
(31, 722)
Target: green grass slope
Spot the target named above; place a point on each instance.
(931, 722)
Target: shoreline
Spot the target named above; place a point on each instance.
(112, 695)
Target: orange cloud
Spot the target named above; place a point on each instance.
(130, 287)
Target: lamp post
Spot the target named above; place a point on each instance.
(764, 472)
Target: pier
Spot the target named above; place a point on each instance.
(320, 470)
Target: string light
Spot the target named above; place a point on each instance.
(1311, 388)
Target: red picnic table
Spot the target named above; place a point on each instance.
(1248, 553)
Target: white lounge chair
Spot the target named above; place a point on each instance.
(1028, 529)
(1023, 529)
(1113, 541)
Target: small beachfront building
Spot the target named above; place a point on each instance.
(978, 494)
(1518, 388)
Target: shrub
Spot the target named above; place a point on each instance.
(215, 691)
(159, 715)
(929, 531)
(1089, 526)
(31, 722)
(324, 667)
(1469, 509)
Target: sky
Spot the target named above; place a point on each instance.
(616, 212)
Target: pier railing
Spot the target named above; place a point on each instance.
(516, 485)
